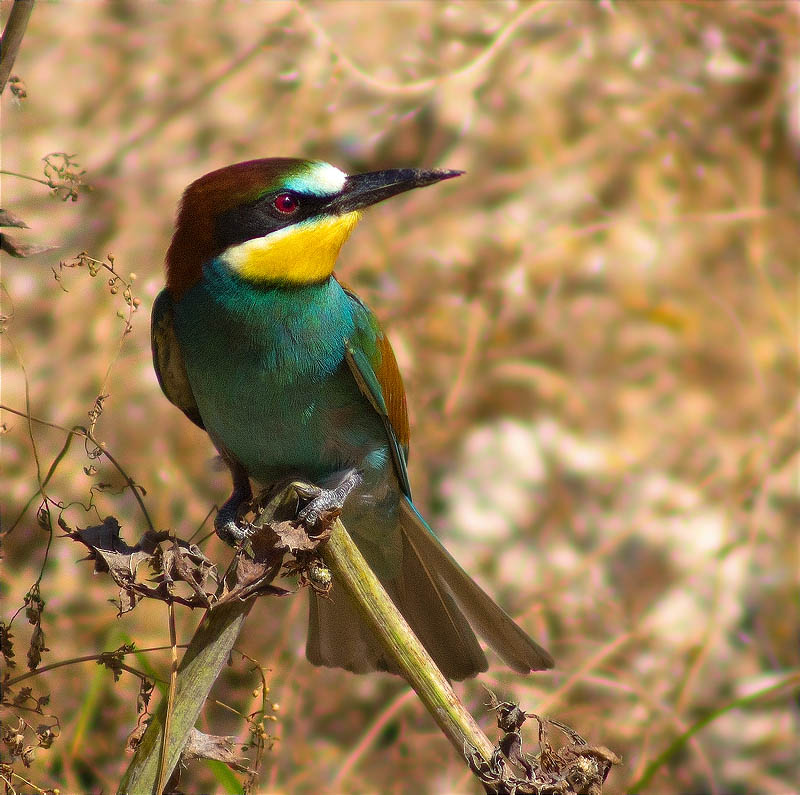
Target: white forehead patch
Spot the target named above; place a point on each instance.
(320, 179)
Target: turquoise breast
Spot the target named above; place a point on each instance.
(268, 373)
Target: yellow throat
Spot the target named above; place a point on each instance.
(303, 253)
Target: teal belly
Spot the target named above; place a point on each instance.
(310, 427)
(268, 373)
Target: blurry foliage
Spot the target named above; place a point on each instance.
(62, 176)
(597, 327)
(569, 767)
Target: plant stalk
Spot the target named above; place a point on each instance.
(350, 570)
(207, 653)
(217, 633)
(13, 33)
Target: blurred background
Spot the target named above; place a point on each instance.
(597, 326)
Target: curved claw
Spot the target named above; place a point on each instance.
(323, 501)
(226, 523)
(231, 532)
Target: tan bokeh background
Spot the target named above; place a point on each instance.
(597, 325)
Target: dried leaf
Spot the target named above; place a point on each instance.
(9, 219)
(111, 553)
(511, 746)
(509, 716)
(46, 735)
(28, 755)
(573, 769)
(7, 645)
(135, 737)
(113, 659)
(181, 562)
(212, 746)
(249, 577)
(186, 563)
(34, 605)
(16, 249)
(293, 537)
(146, 687)
(113, 556)
(37, 646)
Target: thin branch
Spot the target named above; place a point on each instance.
(50, 472)
(416, 88)
(207, 653)
(350, 570)
(12, 37)
(25, 176)
(640, 785)
(604, 652)
(88, 658)
(79, 430)
(134, 487)
(368, 738)
(173, 679)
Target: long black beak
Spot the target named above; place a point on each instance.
(362, 190)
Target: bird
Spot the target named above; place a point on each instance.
(291, 375)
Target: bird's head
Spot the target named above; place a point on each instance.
(277, 220)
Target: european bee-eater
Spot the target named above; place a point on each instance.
(256, 341)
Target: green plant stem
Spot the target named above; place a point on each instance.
(161, 778)
(677, 744)
(212, 643)
(25, 176)
(201, 664)
(89, 658)
(350, 570)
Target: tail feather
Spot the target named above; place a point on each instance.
(338, 638)
(436, 619)
(491, 622)
(441, 603)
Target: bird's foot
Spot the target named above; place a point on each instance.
(227, 524)
(325, 501)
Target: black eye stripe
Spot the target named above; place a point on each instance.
(261, 217)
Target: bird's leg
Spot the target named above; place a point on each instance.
(226, 523)
(324, 500)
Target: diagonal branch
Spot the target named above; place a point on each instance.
(350, 569)
(208, 652)
(211, 645)
(12, 37)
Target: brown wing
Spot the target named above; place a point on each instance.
(168, 359)
(374, 367)
(394, 393)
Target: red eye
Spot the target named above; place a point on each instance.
(285, 203)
